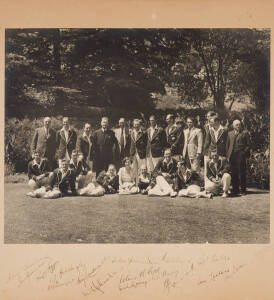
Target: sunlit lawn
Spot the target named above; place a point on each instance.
(135, 219)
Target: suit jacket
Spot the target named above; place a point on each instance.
(36, 170)
(81, 167)
(157, 143)
(193, 142)
(105, 145)
(46, 145)
(127, 140)
(169, 130)
(182, 181)
(139, 144)
(241, 142)
(65, 182)
(83, 146)
(176, 140)
(218, 145)
(64, 145)
(222, 167)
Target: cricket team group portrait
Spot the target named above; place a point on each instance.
(137, 135)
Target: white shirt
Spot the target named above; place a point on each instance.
(152, 130)
(216, 132)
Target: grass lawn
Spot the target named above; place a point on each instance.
(135, 219)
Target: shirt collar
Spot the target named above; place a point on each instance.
(85, 135)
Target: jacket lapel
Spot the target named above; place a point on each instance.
(191, 134)
(220, 133)
(212, 134)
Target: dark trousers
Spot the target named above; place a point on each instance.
(238, 171)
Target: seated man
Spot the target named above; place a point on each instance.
(144, 180)
(81, 169)
(163, 176)
(188, 182)
(63, 180)
(39, 175)
(109, 180)
(218, 175)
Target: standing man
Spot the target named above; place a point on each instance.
(66, 140)
(237, 150)
(193, 145)
(85, 145)
(156, 144)
(177, 139)
(123, 137)
(138, 145)
(44, 141)
(170, 128)
(105, 146)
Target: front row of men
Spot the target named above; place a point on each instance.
(170, 177)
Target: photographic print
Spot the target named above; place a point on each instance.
(137, 136)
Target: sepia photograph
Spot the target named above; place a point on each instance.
(137, 136)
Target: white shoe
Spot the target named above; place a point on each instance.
(224, 195)
(173, 194)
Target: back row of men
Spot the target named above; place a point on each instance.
(146, 146)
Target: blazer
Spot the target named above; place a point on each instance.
(157, 143)
(193, 142)
(182, 182)
(218, 145)
(105, 145)
(82, 145)
(37, 170)
(241, 142)
(81, 167)
(64, 145)
(169, 131)
(63, 184)
(176, 141)
(45, 145)
(222, 167)
(127, 140)
(139, 144)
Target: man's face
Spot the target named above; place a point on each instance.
(169, 120)
(237, 126)
(111, 170)
(152, 122)
(143, 170)
(66, 123)
(167, 156)
(104, 124)
(208, 116)
(74, 156)
(189, 123)
(136, 125)
(87, 128)
(47, 123)
(127, 163)
(63, 165)
(122, 123)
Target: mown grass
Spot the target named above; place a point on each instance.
(135, 219)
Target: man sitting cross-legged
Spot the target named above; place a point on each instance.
(188, 182)
(63, 180)
(144, 179)
(109, 180)
(39, 175)
(163, 176)
(81, 169)
(218, 175)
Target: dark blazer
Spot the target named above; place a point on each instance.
(139, 145)
(105, 181)
(82, 145)
(45, 145)
(169, 130)
(222, 167)
(63, 145)
(241, 142)
(176, 140)
(191, 178)
(218, 145)
(36, 170)
(157, 143)
(81, 168)
(63, 184)
(127, 141)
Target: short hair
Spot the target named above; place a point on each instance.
(137, 121)
(215, 118)
(104, 119)
(47, 118)
(171, 116)
(235, 122)
(122, 119)
(126, 159)
(74, 152)
(167, 149)
(190, 118)
(152, 116)
(87, 124)
(65, 118)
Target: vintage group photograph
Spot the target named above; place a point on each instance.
(137, 136)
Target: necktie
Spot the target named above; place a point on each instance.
(122, 141)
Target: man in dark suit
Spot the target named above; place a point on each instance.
(138, 145)
(66, 140)
(85, 145)
(105, 146)
(123, 137)
(44, 141)
(237, 150)
(171, 127)
(176, 139)
(156, 144)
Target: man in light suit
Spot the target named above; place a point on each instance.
(123, 137)
(193, 145)
(138, 145)
(44, 141)
(156, 144)
(66, 140)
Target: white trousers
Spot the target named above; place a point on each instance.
(213, 187)
(137, 163)
(162, 188)
(193, 191)
(152, 162)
